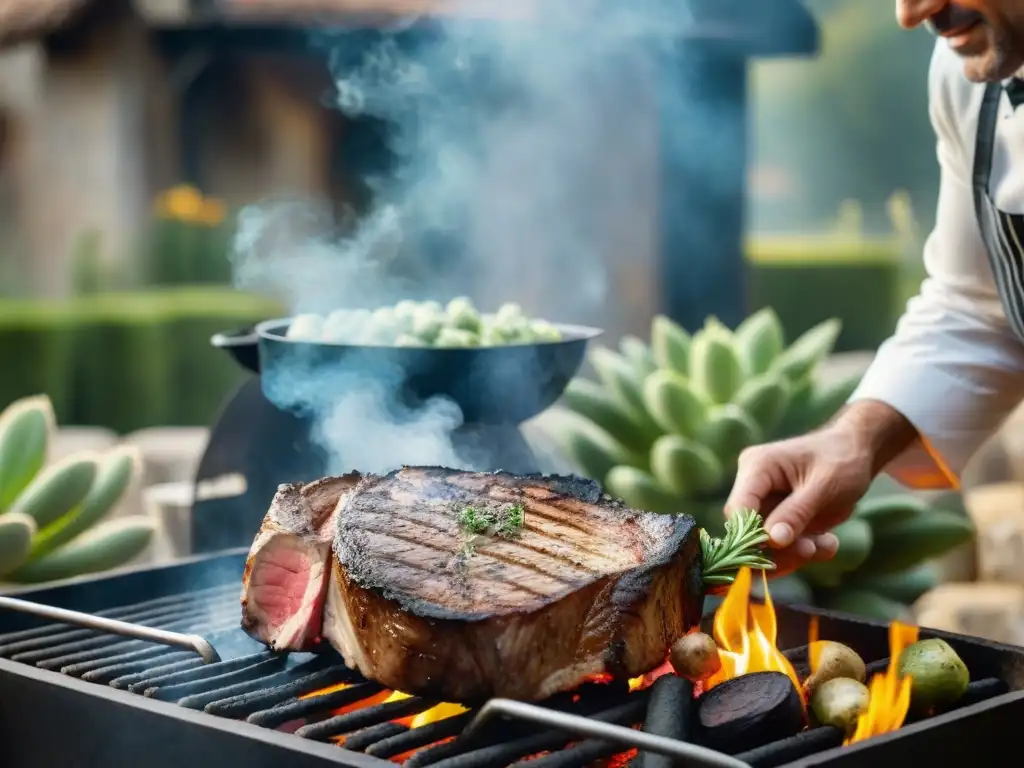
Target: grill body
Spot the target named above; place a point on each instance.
(75, 697)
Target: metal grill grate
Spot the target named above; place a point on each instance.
(596, 723)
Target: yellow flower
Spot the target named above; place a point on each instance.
(187, 204)
(182, 202)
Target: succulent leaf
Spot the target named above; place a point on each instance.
(25, 429)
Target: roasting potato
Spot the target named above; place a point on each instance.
(695, 656)
(839, 702)
(830, 660)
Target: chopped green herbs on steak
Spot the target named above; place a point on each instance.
(505, 521)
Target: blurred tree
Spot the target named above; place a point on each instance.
(852, 124)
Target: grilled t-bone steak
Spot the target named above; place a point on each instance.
(580, 587)
(285, 577)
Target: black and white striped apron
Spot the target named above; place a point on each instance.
(1003, 233)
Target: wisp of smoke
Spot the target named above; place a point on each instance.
(502, 185)
(359, 417)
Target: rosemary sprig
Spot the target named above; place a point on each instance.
(740, 547)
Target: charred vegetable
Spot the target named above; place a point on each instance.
(938, 675)
(695, 657)
(839, 702)
(831, 660)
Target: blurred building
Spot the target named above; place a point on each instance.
(103, 103)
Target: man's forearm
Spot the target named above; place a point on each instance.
(880, 428)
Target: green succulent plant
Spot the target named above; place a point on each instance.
(52, 517)
(663, 425)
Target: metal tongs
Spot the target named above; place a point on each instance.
(196, 643)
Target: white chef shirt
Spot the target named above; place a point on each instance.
(954, 367)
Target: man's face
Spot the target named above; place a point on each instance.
(987, 34)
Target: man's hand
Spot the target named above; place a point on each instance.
(807, 485)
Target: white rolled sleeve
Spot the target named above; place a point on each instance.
(953, 367)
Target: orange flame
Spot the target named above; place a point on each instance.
(432, 715)
(890, 694)
(746, 634)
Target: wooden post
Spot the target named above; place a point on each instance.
(703, 148)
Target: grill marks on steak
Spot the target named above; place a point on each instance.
(401, 534)
(285, 577)
(587, 587)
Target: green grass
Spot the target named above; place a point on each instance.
(802, 251)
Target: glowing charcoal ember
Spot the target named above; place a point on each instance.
(645, 681)
(622, 760)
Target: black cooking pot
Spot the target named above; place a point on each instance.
(491, 385)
